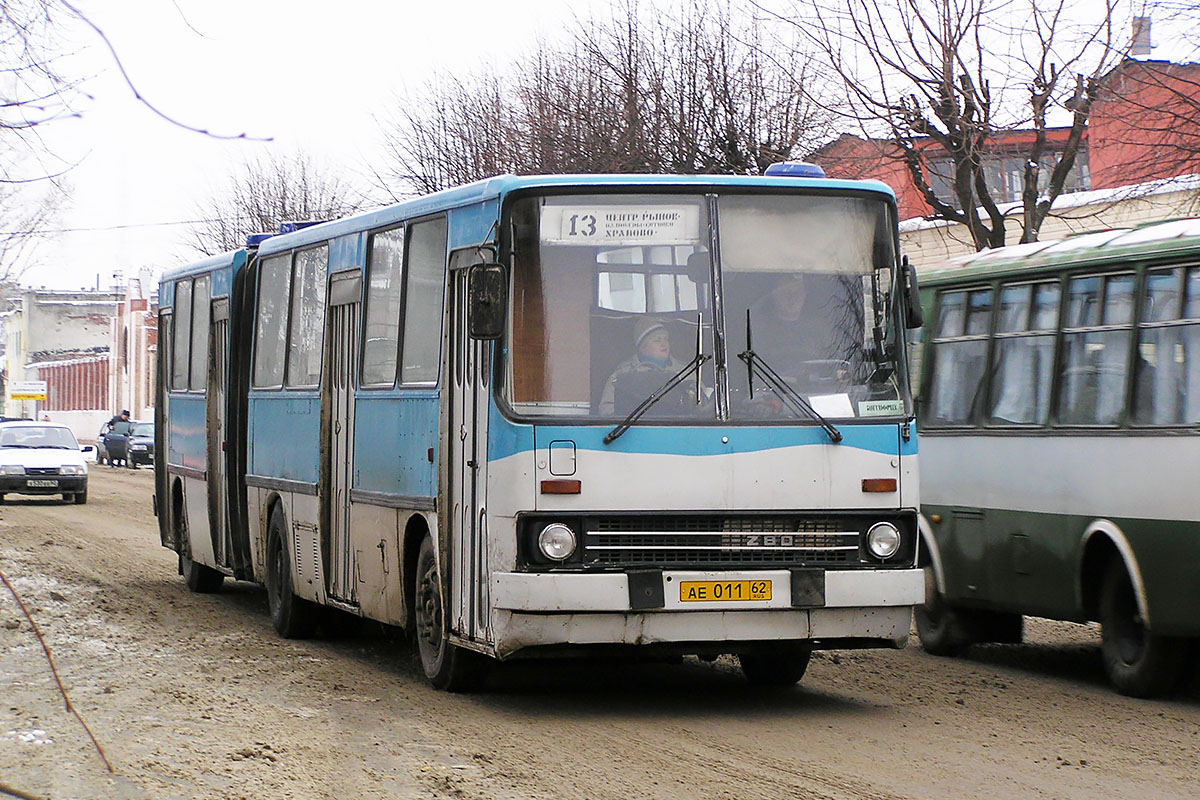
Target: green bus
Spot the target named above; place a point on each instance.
(1060, 446)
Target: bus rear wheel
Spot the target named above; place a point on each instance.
(292, 617)
(1138, 662)
(446, 665)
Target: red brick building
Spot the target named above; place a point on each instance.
(1144, 125)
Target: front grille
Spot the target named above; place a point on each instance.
(709, 541)
(36, 471)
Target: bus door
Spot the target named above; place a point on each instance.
(215, 475)
(337, 434)
(468, 558)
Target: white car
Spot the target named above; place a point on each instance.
(41, 458)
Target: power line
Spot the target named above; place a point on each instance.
(129, 226)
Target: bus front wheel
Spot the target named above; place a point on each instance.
(446, 665)
(293, 617)
(1138, 662)
(782, 667)
(939, 625)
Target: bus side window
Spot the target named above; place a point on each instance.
(270, 336)
(426, 271)
(381, 328)
(1167, 363)
(183, 335)
(959, 353)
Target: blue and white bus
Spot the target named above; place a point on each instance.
(534, 415)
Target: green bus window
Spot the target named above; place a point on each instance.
(1024, 354)
(959, 356)
(382, 324)
(270, 336)
(1096, 348)
(1167, 368)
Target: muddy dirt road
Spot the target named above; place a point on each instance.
(193, 696)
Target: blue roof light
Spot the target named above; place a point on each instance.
(796, 169)
(299, 225)
(255, 239)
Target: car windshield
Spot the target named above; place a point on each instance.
(37, 436)
(143, 429)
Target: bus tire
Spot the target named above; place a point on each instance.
(446, 665)
(784, 666)
(199, 578)
(292, 617)
(1138, 663)
(940, 626)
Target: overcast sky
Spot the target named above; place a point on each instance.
(307, 76)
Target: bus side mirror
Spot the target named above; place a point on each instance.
(486, 291)
(913, 317)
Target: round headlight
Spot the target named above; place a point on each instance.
(557, 542)
(883, 539)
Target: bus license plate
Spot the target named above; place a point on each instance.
(41, 484)
(724, 591)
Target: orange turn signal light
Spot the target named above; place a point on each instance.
(879, 484)
(561, 486)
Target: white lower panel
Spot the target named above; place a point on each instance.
(195, 499)
(515, 631)
(541, 592)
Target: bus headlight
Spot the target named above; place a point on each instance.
(557, 542)
(883, 540)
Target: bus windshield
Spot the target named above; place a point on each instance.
(616, 295)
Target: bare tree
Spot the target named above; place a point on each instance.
(263, 193)
(701, 91)
(951, 76)
(25, 212)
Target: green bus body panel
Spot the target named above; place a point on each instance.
(1030, 563)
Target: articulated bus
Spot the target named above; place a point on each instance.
(1060, 413)
(542, 415)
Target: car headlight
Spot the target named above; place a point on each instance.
(12, 469)
(72, 469)
(883, 540)
(557, 541)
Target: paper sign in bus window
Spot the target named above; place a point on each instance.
(624, 225)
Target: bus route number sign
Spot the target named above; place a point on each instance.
(724, 591)
(627, 226)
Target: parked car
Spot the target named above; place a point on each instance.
(141, 444)
(41, 458)
(101, 450)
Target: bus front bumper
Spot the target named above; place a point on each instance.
(839, 608)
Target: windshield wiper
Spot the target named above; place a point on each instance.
(658, 394)
(782, 389)
(678, 378)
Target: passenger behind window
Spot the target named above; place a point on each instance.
(639, 376)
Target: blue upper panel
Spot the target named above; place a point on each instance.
(222, 267)
(506, 438)
(486, 194)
